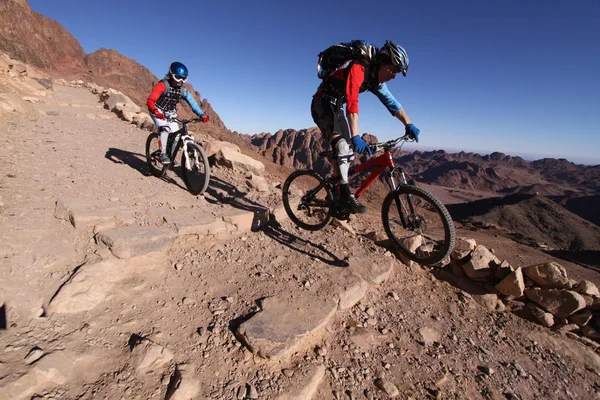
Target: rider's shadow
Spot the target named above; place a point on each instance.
(275, 231)
(134, 160)
(224, 193)
(221, 192)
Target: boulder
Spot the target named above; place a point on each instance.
(561, 303)
(513, 285)
(238, 161)
(481, 265)
(462, 247)
(535, 314)
(112, 97)
(212, 148)
(548, 275)
(587, 288)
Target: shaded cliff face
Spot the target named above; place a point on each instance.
(42, 42)
(36, 40)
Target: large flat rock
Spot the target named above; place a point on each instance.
(370, 271)
(83, 213)
(190, 222)
(134, 241)
(88, 287)
(284, 323)
(344, 286)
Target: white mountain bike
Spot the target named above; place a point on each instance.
(194, 163)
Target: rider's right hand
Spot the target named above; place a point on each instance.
(360, 146)
(158, 114)
(413, 132)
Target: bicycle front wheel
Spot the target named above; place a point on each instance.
(308, 200)
(418, 224)
(195, 167)
(153, 156)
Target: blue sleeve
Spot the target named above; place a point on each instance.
(389, 101)
(190, 100)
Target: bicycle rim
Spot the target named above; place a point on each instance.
(153, 152)
(307, 200)
(418, 225)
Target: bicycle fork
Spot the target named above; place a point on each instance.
(393, 187)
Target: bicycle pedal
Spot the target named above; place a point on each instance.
(342, 215)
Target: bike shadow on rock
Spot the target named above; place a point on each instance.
(221, 192)
(137, 161)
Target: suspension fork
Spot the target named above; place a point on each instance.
(393, 187)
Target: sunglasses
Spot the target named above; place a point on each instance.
(397, 70)
(180, 78)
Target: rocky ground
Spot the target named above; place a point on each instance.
(119, 285)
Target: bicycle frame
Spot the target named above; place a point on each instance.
(381, 163)
(182, 139)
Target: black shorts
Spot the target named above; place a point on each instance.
(330, 118)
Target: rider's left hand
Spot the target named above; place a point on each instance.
(204, 118)
(413, 131)
(360, 146)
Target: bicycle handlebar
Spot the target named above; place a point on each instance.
(391, 143)
(184, 121)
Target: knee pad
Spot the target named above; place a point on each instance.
(342, 151)
(344, 156)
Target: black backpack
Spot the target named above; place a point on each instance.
(334, 57)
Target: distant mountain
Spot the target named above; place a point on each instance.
(492, 172)
(562, 171)
(298, 149)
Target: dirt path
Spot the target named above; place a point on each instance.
(165, 324)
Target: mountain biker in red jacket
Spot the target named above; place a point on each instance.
(163, 100)
(343, 86)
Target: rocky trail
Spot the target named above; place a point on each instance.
(119, 285)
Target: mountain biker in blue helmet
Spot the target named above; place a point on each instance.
(343, 86)
(163, 100)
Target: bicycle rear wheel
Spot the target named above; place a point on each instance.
(157, 168)
(196, 174)
(308, 200)
(418, 224)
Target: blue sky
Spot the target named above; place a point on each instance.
(521, 77)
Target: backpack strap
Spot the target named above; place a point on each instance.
(167, 85)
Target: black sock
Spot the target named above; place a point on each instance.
(344, 190)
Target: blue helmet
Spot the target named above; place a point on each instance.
(392, 53)
(178, 72)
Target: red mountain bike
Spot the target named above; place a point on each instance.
(416, 222)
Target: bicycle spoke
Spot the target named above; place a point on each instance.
(307, 200)
(418, 224)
